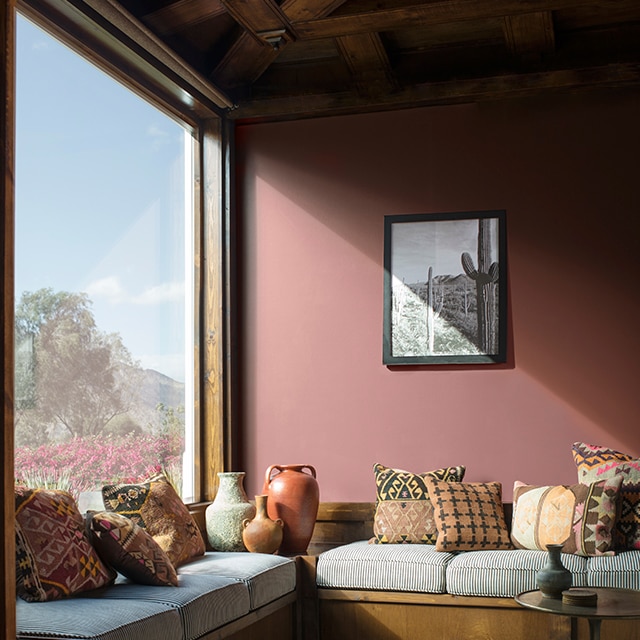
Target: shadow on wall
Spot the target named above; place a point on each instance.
(562, 170)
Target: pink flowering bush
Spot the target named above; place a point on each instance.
(85, 464)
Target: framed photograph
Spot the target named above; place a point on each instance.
(445, 293)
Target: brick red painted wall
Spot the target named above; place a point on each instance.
(312, 199)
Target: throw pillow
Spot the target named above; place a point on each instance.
(129, 549)
(598, 463)
(404, 513)
(54, 557)
(155, 506)
(469, 515)
(581, 517)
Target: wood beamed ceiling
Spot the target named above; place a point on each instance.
(305, 58)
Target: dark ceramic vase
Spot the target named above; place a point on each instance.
(293, 497)
(554, 577)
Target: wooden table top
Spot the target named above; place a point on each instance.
(612, 603)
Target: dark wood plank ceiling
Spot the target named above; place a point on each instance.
(302, 58)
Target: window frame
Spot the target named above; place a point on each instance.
(111, 39)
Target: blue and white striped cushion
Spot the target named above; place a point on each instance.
(92, 619)
(505, 573)
(203, 602)
(390, 567)
(621, 571)
(267, 577)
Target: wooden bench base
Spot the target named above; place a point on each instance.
(394, 616)
(344, 614)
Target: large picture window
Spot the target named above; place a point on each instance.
(104, 287)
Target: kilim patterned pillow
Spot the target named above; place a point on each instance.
(129, 549)
(581, 517)
(404, 513)
(469, 515)
(27, 579)
(54, 557)
(597, 463)
(155, 506)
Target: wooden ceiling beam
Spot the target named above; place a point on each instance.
(425, 14)
(263, 19)
(530, 36)
(267, 30)
(368, 63)
(181, 14)
(309, 9)
(439, 93)
(244, 62)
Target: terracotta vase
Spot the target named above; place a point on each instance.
(554, 577)
(224, 516)
(293, 497)
(262, 534)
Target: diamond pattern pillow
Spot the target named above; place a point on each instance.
(469, 516)
(581, 517)
(596, 463)
(404, 513)
(54, 557)
(129, 549)
(155, 506)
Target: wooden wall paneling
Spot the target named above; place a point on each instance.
(213, 347)
(7, 136)
(230, 261)
(611, 630)
(339, 523)
(307, 605)
(273, 621)
(398, 620)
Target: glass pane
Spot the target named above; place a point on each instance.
(104, 321)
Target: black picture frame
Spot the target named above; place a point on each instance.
(437, 267)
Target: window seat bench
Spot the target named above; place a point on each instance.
(352, 589)
(219, 595)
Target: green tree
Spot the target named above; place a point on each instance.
(172, 425)
(73, 378)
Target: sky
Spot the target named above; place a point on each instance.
(100, 199)
(416, 246)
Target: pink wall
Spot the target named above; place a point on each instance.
(312, 199)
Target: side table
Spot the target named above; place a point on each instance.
(612, 604)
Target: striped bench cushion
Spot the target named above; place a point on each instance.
(267, 577)
(203, 602)
(504, 573)
(621, 571)
(92, 619)
(388, 567)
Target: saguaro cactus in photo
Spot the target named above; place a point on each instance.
(486, 280)
(432, 313)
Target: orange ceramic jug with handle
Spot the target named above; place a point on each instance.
(294, 496)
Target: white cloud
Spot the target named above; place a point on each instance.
(166, 292)
(112, 291)
(109, 288)
(155, 131)
(158, 136)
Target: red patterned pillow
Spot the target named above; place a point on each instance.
(469, 515)
(54, 557)
(156, 507)
(129, 549)
(600, 463)
(404, 513)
